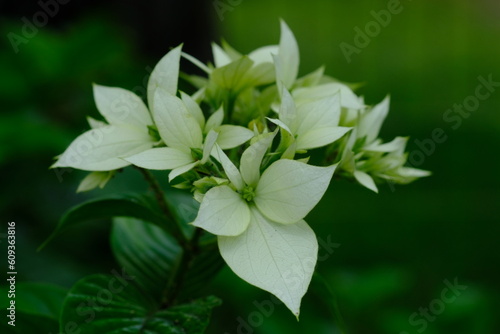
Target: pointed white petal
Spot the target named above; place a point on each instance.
(161, 158)
(288, 111)
(196, 62)
(215, 120)
(395, 145)
(233, 174)
(194, 109)
(208, 145)
(94, 180)
(231, 136)
(120, 106)
(230, 51)
(320, 137)
(311, 79)
(94, 123)
(102, 149)
(177, 127)
(165, 75)
(252, 158)
(413, 172)
(181, 170)
(288, 190)
(280, 124)
(365, 180)
(289, 57)
(347, 97)
(263, 54)
(223, 212)
(277, 258)
(319, 113)
(220, 56)
(372, 120)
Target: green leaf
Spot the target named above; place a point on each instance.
(322, 289)
(36, 298)
(127, 205)
(153, 257)
(145, 251)
(103, 304)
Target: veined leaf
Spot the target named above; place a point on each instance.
(103, 304)
(128, 205)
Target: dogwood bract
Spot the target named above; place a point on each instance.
(259, 220)
(240, 141)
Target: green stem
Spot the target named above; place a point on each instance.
(332, 301)
(184, 263)
(174, 226)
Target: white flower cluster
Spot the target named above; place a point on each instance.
(241, 143)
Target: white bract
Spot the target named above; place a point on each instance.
(259, 220)
(256, 210)
(366, 157)
(181, 126)
(126, 132)
(313, 124)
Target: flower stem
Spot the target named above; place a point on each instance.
(184, 263)
(173, 225)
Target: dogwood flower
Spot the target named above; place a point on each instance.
(181, 126)
(126, 133)
(313, 124)
(259, 220)
(128, 120)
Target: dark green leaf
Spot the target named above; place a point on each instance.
(152, 256)
(103, 304)
(145, 251)
(128, 205)
(184, 208)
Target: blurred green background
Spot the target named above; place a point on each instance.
(393, 251)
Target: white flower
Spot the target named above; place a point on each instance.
(259, 220)
(366, 157)
(126, 132)
(181, 126)
(312, 124)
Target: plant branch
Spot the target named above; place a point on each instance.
(174, 226)
(174, 287)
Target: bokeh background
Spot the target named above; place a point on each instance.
(393, 251)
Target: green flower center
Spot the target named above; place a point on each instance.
(248, 193)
